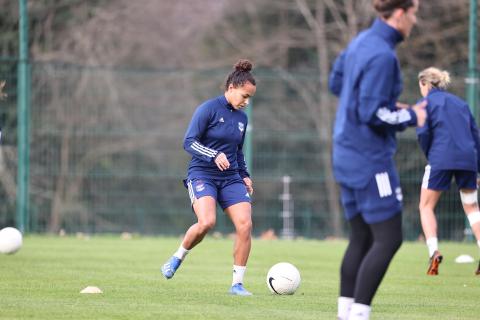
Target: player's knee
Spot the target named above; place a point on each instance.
(425, 208)
(392, 243)
(421, 207)
(468, 198)
(473, 218)
(206, 225)
(245, 227)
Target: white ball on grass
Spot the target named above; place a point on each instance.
(283, 278)
(10, 240)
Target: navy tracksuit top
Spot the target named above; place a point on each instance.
(449, 138)
(216, 127)
(366, 76)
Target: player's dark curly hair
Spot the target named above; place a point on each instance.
(240, 75)
(385, 8)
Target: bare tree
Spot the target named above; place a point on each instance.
(117, 33)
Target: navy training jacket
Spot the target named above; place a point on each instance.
(216, 127)
(449, 138)
(367, 78)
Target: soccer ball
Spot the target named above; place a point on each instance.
(283, 278)
(10, 240)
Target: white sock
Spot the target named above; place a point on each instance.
(432, 244)
(181, 253)
(478, 244)
(359, 312)
(238, 272)
(344, 306)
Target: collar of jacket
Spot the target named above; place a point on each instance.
(224, 102)
(390, 34)
(433, 90)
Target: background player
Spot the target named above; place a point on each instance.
(451, 144)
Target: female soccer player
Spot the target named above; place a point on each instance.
(218, 173)
(451, 144)
(366, 76)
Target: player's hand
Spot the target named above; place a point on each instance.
(421, 112)
(222, 162)
(249, 184)
(401, 105)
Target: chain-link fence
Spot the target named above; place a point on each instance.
(106, 152)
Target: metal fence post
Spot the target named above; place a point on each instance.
(288, 231)
(472, 79)
(23, 116)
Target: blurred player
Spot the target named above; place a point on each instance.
(218, 173)
(451, 144)
(366, 76)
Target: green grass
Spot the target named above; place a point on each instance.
(43, 281)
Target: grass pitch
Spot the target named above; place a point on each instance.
(43, 281)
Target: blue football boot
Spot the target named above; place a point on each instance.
(169, 268)
(239, 290)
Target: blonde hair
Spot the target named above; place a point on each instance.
(435, 77)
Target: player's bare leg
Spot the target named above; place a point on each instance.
(241, 216)
(205, 210)
(428, 200)
(472, 211)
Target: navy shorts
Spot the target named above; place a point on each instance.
(380, 200)
(441, 179)
(226, 192)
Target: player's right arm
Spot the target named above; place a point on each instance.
(196, 129)
(424, 136)
(375, 92)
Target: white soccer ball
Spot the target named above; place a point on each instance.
(283, 278)
(10, 240)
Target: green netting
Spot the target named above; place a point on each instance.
(106, 152)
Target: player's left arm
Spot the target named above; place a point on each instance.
(242, 165)
(424, 136)
(335, 79)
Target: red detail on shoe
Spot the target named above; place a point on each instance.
(435, 261)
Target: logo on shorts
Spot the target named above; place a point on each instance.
(241, 126)
(247, 195)
(398, 193)
(200, 187)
